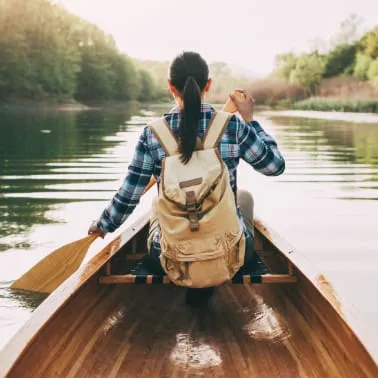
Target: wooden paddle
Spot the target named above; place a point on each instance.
(230, 106)
(56, 267)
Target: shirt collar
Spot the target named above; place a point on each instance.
(204, 108)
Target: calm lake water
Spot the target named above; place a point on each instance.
(58, 171)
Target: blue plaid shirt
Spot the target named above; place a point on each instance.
(241, 140)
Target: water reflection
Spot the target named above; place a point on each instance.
(20, 298)
(37, 150)
(341, 154)
(348, 142)
(15, 308)
(53, 166)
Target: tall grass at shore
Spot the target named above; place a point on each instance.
(347, 87)
(342, 93)
(337, 104)
(276, 92)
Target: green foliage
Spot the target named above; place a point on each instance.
(127, 84)
(96, 80)
(369, 43)
(308, 72)
(350, 56)
(362, 66)
(224, 82)
(147, 86)
(46, 52)
(285, 63)
(340, 60)
(39, 56)
(373, 70)
(159, 72)
(373, 73)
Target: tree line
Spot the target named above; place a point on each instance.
(350, 57)
(47, 52)
(225, 80)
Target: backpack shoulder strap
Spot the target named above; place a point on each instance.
(165, 136)
(216, 129)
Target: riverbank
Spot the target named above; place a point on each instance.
(356, 117)
(317, 104)
(327, 104)
(71, 106)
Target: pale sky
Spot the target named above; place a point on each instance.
(243, 33)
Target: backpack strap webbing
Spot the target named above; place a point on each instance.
(165, 136)
(216, 129)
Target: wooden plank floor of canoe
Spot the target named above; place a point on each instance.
(148, 331)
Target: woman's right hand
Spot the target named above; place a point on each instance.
(94, 230)
(245, 103)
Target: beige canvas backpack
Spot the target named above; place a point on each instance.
(202, 240)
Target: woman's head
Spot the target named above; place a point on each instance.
(188, 81)
(186, 65)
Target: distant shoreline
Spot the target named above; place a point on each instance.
(332, 104)
(352, 117)
(31, 105)
(317, 105)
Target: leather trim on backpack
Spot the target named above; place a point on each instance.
(187, 183)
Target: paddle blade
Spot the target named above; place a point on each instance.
(55, 268)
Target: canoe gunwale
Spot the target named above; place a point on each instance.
(355, 322)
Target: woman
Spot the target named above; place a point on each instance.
(243, 138)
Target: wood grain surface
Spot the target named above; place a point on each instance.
(149, 331)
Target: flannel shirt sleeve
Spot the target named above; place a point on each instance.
(259, 149)
(125, 200)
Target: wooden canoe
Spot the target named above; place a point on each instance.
(92, 326)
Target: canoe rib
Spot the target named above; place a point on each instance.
(153, 279)
(254, 272)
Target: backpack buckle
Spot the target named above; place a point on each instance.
(192, 209)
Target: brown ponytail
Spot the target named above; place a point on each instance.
(189, 74)
(190, 116)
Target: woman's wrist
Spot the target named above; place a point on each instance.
(248, 119)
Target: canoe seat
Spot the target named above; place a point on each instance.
(253, 272)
